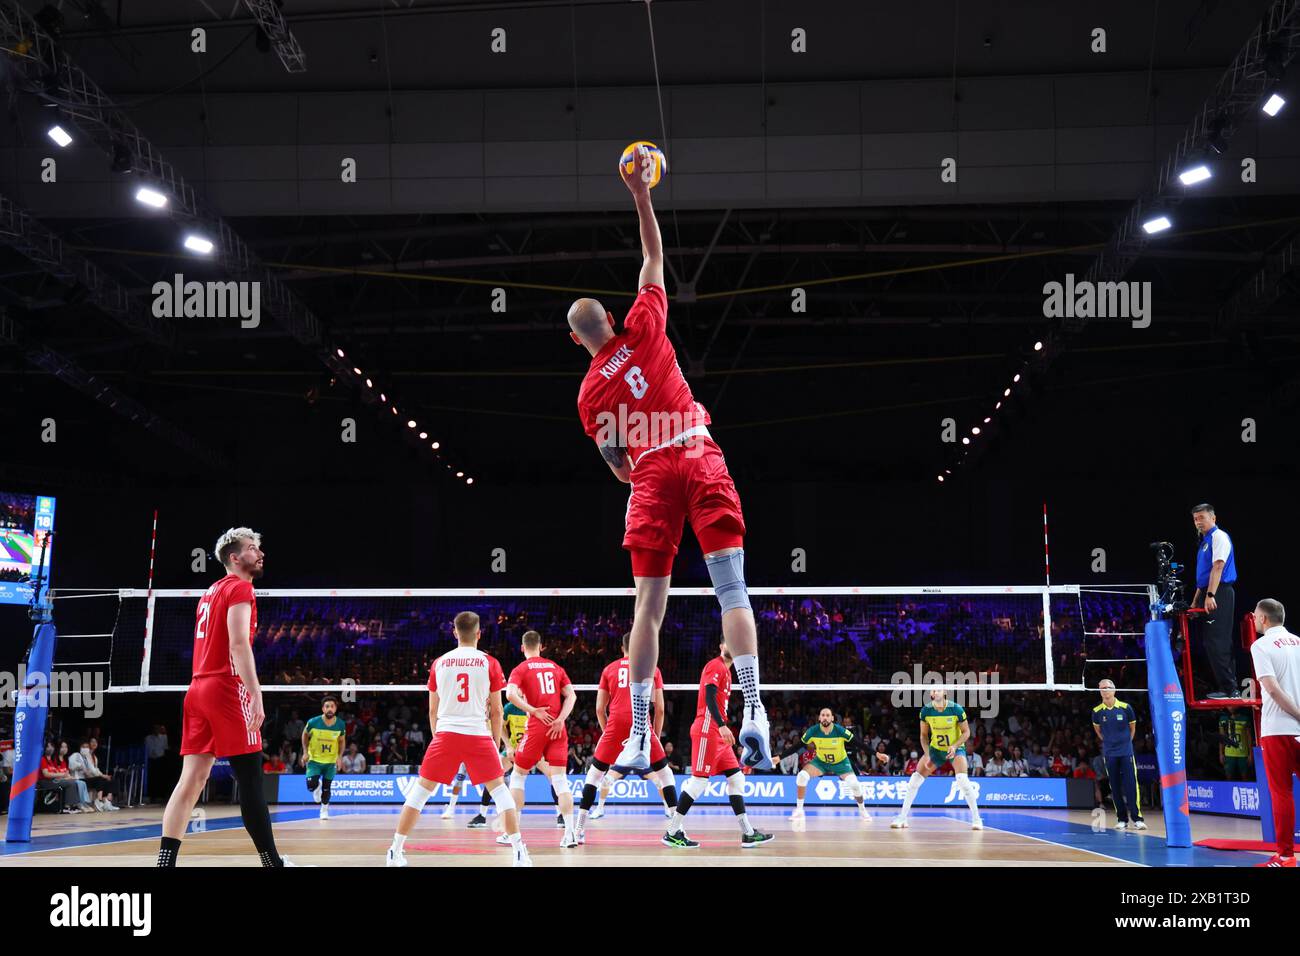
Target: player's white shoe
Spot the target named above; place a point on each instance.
(448, 812)
(1139, 825)
(582, 837)
(899, 822)
(503, 840)
(315, 795)
(635, 754)
(865, 814)
(324, 812)
(596, 814)
(755, 739)
(976, 823)
(1121, 825)
(568, 841)
(396, 857)
(797, 813)
(521, 857)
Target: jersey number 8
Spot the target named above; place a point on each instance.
(636, 381)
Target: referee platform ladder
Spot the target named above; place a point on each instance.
(1248, 637)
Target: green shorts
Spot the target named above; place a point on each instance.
(325, 770)
(1235, 768)
(940, 757)
(831, 769)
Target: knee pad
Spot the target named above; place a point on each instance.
(802, 779)
(851, 781)
(914, 782)
(727, 572)
(695, 786)
(736, 784)
(517, 779)
(503, 798)
(560, 784)
(659, 765)
(325, 786)
(311, 784)
(594, 776)
(417, 796)
(600, 765)
(664, 777)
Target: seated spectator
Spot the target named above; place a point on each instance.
(273, 764)
(1036, 762)
(352, 761)
(55, 776)
(999, 766)
(1061, 765)
(910, 766)
(83, 767)
(674, 762)
(1018, 766)
(975, 764)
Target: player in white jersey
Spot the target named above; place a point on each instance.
(465, 719)
(1276, 656)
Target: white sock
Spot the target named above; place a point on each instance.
(747, 671)
(582, 819)
(913, 788)
(568, 821)
(641, 693)
(745, 827)
(399, 841)
(451, 804)
(604, 792)
(798, 803)
(968, 792)
(675, 824)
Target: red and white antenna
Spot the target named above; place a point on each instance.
(1047, 560)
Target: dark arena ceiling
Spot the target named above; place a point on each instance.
(481, 170)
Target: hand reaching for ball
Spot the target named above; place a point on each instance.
(636, 183)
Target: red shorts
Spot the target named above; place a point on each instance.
(610, 744)
(1281, 763)
(677, 483)
(449, 750)
(537, 746)
(215, 719)
(709, 755)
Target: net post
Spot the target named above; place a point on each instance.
(1049, 663)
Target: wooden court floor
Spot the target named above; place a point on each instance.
(629, 836)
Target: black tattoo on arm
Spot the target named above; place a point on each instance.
(612, 454)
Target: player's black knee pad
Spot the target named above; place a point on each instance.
(600, 765)
(325, 790)
(312, 783)
(659, 765)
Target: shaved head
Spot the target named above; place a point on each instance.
(590, 324)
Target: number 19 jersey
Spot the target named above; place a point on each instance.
(463, 679)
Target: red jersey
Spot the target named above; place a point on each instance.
(211, 639)
(634, 392)
(615, 680)
(717, 673)
(540, 681)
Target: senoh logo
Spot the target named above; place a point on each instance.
(1177, 717)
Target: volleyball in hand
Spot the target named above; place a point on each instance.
(651, 164)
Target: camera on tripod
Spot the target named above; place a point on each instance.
(1169, 586)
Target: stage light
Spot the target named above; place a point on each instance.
(965, 441)
(198, 244)
(411, 423)
(975, 430)
(1273, 105)
(1006, 393)
(423, 435)
(369, 384)
(340, 353)
(997, 406)
(1158, 224)
(1038, 346)
(59, 135)
(1016, 377)
(356, 371)
(941, 477)
(383, 398)
(987, 420)
(1194, 175)
(469, 481)
(150, 197)
(437, 445)
(394, 409)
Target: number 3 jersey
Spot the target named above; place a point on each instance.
(463, 679)
(634, 393)
(541, 682)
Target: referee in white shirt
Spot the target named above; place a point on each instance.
(1276, 655)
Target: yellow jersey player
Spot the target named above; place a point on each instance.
(944, 732)
(323, 740)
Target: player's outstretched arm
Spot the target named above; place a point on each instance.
(652, 247)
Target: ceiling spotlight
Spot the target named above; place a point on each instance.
(198, 244)
(941, 477)
(150, 197)
(1038, 346)
(460, 474)
(975, 430)
(369, 384)
(1158, 224)
(1016, 377)
(59, 135)
(965, 441)
(987, 420)
(356, 371)
(411, 423)
(1006, 393)
(383, 398)
(437, 445)
(469, 481)
(423, 435)
(1194, 175)
(1273, 105)
(997, 406)
(394, 407)
(340, 353)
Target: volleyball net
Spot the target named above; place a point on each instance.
(1019, 638)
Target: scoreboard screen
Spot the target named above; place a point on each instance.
(25, 521)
